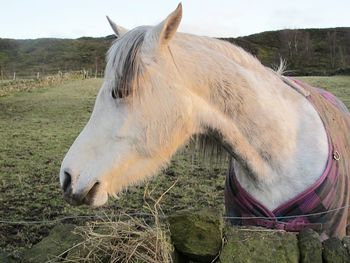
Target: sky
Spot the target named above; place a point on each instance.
(23, 19)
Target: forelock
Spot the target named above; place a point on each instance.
(124, 65)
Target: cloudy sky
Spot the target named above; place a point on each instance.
(75, 18)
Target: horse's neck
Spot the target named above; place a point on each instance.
(274, 134)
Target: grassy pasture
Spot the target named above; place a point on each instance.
(37, 128)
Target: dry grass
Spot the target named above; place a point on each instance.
(133, 240)
(125, 238)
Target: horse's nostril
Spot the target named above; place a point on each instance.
(67, 181)
(91, 194)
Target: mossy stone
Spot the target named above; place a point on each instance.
(4, 257)
(310, 246)
(259, 245)
(57, 242)
(334, 251)
(177, 257)
(197, 234)
(346, 243)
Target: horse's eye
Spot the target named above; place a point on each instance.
(117, 94)
(114, 96)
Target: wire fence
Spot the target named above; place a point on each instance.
(6, 76)
(30, 82)
(105, 216)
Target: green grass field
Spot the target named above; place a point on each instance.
(37, 128)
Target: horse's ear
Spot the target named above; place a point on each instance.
(118, 30)
(166, 29)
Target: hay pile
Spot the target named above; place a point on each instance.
(125, 239)
(133, 240)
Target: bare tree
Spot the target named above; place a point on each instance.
(342, 57)
(332, 46)
(296, 47)
(347, 48)
(286, 40)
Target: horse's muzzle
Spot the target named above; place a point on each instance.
(83, 197)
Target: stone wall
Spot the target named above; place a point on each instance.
(202, 236)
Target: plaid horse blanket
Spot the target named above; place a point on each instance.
(324, 206)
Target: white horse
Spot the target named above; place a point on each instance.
(162, 87)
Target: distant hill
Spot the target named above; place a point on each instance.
(307, 52)
(49, 55)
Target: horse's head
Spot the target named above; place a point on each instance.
(142, 115)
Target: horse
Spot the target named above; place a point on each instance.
(162, 87)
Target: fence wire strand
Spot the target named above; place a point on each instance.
(100, 217)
